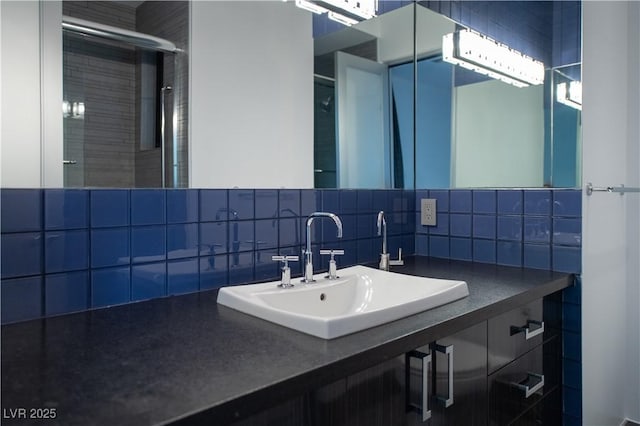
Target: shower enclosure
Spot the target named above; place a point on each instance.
(124, 94)
(324, 120)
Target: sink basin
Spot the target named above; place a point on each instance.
(360, 298)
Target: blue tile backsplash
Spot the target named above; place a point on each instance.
(536, 228)
(510, 202)
(66, 292)
(110, 286)
(65, 209)
(66, 250)
(109, 207)
(110, 247)
(70, 250)
(21, 298)
(148, 207)
(459, 201)
(148, 281)
(21, 210)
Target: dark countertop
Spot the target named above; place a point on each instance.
(187, 359)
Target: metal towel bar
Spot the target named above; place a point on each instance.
(620, 189)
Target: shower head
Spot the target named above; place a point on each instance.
(326, 104)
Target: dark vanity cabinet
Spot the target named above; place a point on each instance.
(502, 371)
(447, 386)
(439, 383)
(525, 364)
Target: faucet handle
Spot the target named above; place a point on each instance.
(399, 261)
(333, 267)
(332, 252)
(286, 271)
(285, 259)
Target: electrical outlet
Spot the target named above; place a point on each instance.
(428, 211)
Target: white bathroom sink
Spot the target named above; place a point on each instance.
(360, 298)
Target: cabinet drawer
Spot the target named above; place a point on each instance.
(521, 384)
(547, 412)
(514, 333)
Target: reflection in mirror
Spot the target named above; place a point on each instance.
(434, 101)
(125, 105)
(498, 135)
(475, 131)
(549, 31)
(324, 135)
(363, 129)
(566, 139)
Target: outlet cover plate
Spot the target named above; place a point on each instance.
(428, 212)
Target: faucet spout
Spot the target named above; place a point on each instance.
(382, 229)
(385, 258)
(308, 267)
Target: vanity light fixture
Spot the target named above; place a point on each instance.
(346, 12)
(310, 6)
(570, 94)
(352, 9)
(341, 19)
(484, 55)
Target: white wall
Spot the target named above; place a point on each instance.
(513, 151)
(431, 26)
(394, 31)
(633, 219)
(20, 94)
(610, 279)
(251, 91)
(31, 99)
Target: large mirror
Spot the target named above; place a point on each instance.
(466, 129)
(265, 94)
(477, 131)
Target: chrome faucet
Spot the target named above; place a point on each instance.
(385, 260)
(308, 265)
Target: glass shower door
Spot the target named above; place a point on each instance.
(118, 107)
(112, 115)
(73, 109)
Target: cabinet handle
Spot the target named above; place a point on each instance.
(426, 362)
(526, 389)
(528, 334)
(447, 350)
